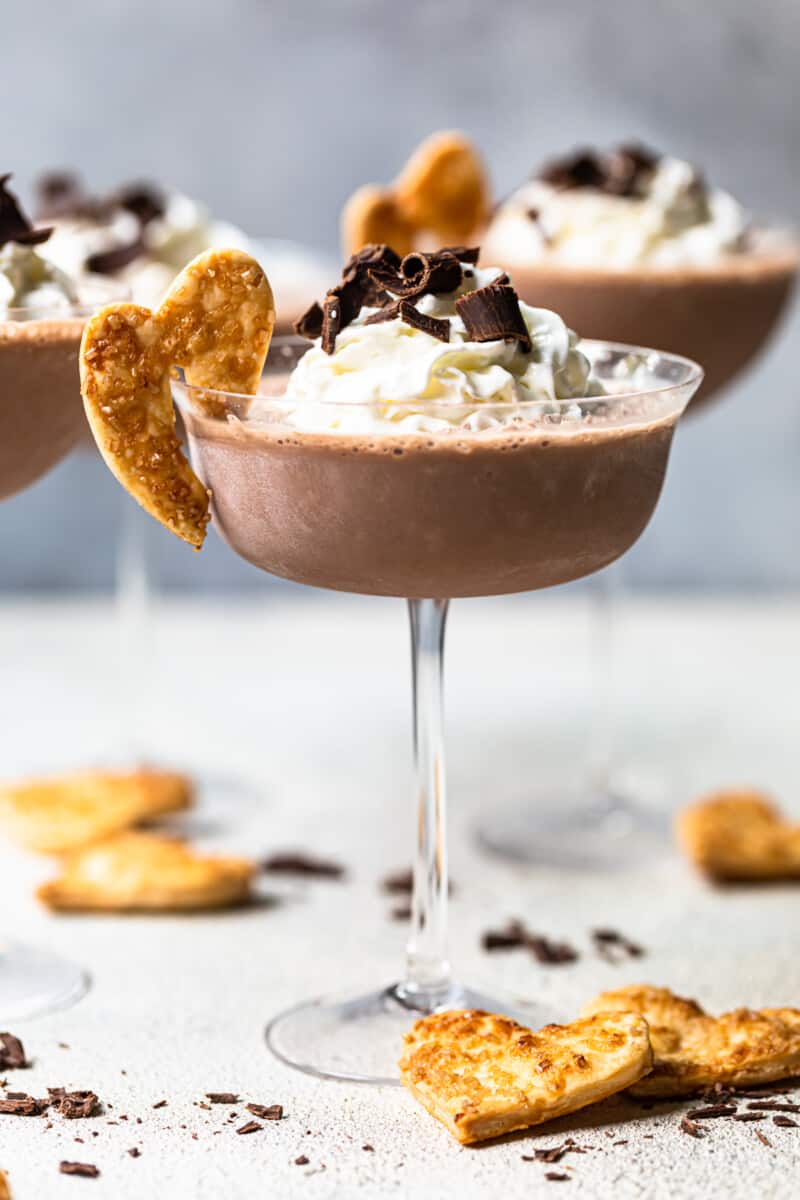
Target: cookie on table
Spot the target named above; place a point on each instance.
(739, 835)
(693, 1050)
(483, 1075)
(60, 813)
(143, 872)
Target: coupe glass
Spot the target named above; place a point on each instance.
(41, 419)
(724, 314)
(551, 493)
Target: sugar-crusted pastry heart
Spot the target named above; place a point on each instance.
(740, 835)
(441, 196)
(483, 1075)
(58, 814)
(216, 322)
(141, 872)
(692, 1050)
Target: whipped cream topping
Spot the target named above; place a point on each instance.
(393, 377)
(672, 221)
(31, 280)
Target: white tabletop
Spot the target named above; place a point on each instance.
(305, 701)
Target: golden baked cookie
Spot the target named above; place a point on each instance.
(216, 322)
(142, 872)
(5, 1191)
(692, 1050)
(443, 187)
(441, 197)
(739, 835)
(61, 813)
(483, 1075)
(372, 216)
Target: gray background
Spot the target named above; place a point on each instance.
(273, 112)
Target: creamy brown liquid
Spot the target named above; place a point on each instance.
(41, 414)
(720, 316)
(442, 515)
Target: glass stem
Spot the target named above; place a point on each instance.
(133, 620)
(427, 967)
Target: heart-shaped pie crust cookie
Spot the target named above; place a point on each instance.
(483, 1075)
(692, 1050)
(440, 197)
(740, 835)
(216, 323)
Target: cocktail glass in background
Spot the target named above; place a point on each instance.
(554, 491)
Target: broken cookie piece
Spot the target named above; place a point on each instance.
(141, 872)
(483, 1075)
(692, 1050)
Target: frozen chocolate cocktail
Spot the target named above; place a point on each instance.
(439, 438)
(638, 247)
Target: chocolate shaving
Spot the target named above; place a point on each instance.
(387, 313)
(19, 1104)
(12, 1053)
(557, 1176)
(711, 1112)
(291, 863)
(464, 254)
(134, 1152)
(310, 324)
(691, 1128)
(436, 327)
(160, 1104)
(342, 304)
(401, 912)
(618, 173)
(301, 1161)
(109, 262)
(249, 1127)
(144, 200)
(762, 1137)
(784, 1122)
(267, 1112)
(516, 935)
(14, 225)
(613, 946)
(87, 1170)
(401, 883)
(492, 313)
(222, 1097)
(74, 1105)
(749, 1116)
(774, 1106)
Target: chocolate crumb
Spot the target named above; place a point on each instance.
(400, 912)
(711, 1112)
(160, 1104)
(545, 951)
(74, 1105)
(87, 1170)
(613, 946)
(749, 1116)
(369, 1148)
(492, 313)
(784, 1122)
(298, 863)
(762, 1137)
(301, 1161)
(222, 1097)
(402, 883)
(12, 1053)
(690, 1127)
(775, 1106)
(556, 1176)
(249, 1127)
(621, 1142)
(134, 1152)
(267, 1112)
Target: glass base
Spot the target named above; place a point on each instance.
(33, 982)
(598, 829)
(359, 1039)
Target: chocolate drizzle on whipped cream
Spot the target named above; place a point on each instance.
(62, 196)
(377, 277)
(14, 225)
(621, 172)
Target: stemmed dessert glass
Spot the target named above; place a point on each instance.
(41, 420)
(552, 492)
(724, 313)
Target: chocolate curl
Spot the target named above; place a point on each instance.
(14, 225)
(581, 169)
(434, 273)
(109, 262)
(436, 326)
(492, 313)
(387, 313)
(310, 324)
(342, 305)
(144, 200)
(464, 254)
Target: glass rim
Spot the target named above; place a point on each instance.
(693, 379)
